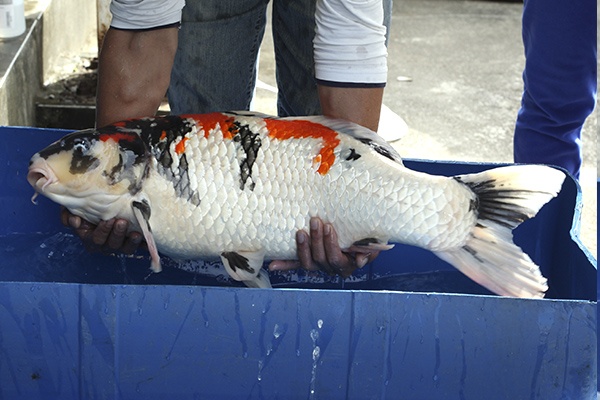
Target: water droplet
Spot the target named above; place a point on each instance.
(320, 323)
(276, 331)
(316, 353)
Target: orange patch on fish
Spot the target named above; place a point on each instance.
(163, 135)
(180, 147)
(210, 121)
(286, 129)
(118, 136)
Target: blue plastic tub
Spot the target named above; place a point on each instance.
(79, 326)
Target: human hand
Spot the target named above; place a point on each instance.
(321, 251)
(107, 236)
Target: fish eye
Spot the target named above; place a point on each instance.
(81, 145)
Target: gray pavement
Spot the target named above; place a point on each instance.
(455, 78)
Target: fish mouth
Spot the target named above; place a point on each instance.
(40, 175)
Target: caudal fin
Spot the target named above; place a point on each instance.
(506, 197)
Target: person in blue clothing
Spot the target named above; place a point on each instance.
(560, 81)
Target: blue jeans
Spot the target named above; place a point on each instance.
(559, 37)
(216, 61)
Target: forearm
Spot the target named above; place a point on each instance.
(359, 105)
(133, 73)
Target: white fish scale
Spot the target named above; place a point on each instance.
(385, 201)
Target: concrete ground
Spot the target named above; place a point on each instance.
(455, 79)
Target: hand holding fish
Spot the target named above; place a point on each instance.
(110, 236)
(319, 251)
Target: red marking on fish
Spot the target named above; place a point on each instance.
(163, 135)
(297, 129)
(180, 147)
(118, 136)
(210, 121)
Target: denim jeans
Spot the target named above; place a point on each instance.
(560, 81)
(216, 61)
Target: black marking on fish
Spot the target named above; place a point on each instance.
(378, 148)
(114, 175)
(236, 261)
(144, 207)
(473, 253)
(79, 144)
(474, 204)
(496, 204)
(251, 143)
(159, 134)
(353, 156)
(68, 142)
(80, 163)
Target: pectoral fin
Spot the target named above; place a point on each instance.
(246, 266)
(141, 211)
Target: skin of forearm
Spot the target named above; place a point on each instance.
(134, 70)
(358, 105)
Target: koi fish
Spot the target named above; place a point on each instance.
(238, 186)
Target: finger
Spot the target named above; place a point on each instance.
(316, 243)
(102, 231)
(64, 216)
(305, 255)
(284, 265)
(117, 236)
(362, 259)
(132, 243)
(340, 262)
(70, 220)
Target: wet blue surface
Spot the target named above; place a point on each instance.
(61, 257)
(77, 326)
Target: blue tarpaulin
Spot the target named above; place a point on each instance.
(75, 325)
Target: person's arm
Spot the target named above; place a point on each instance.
(358, 105)
(134, 71)
(133, 76)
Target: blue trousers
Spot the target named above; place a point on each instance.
(559, 37)
(216, 61)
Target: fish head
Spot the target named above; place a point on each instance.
(89, 171)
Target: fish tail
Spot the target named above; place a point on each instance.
(504, 198)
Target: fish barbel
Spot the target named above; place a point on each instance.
(238, 186)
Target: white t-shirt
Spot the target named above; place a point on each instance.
(145, 14)
(349, 41)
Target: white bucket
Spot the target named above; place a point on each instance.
(12, 18)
